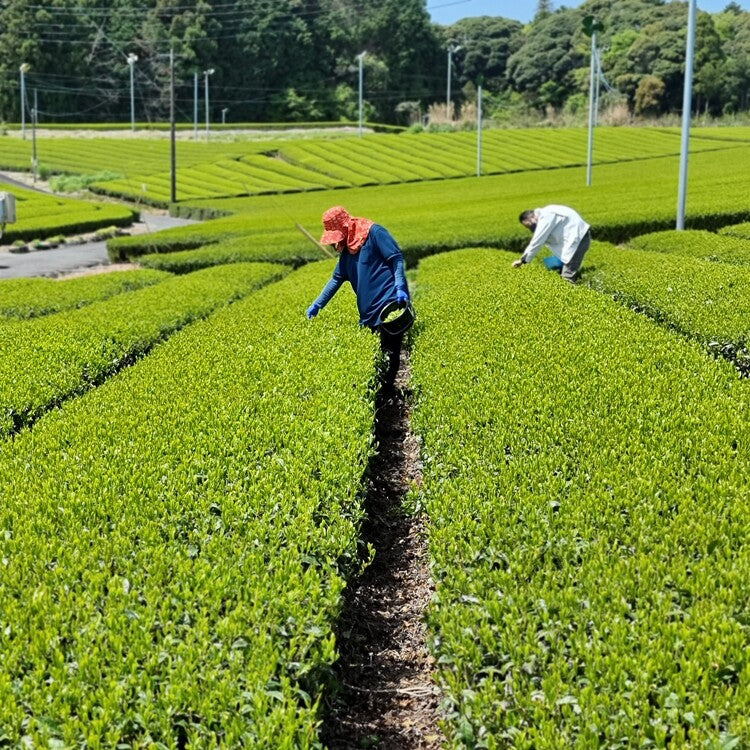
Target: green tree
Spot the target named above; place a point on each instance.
(734, 26)
(648, 95)
(549, 54)
(544, 8)
(486, 45)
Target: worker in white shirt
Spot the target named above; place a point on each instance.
(564, 232)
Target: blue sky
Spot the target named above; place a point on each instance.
(446, 12)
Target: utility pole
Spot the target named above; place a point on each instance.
(24, 68)
(451, 49)
(206, 74)
(590, 27)
(360, 57)
(132, 59)
(687, 110)
(33, 138)
(480, 81)
(195, 106)
(172, 128)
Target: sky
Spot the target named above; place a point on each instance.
(446, 12)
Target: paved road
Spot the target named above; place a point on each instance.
(67, 259)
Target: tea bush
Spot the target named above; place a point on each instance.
(47, 360)
(32, 297)
(583, 479)
(174, 544)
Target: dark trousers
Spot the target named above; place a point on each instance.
(390, 345)
(570, 271)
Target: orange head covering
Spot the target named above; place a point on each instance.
(340, 225)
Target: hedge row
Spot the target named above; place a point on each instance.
(46, 360)
(133, 159)
(384, 159)
(627, 200)
(582, 474)
(30, 298)
(258, 249)
(175, 543)
(737, 230)
(40, 215)
(705, 300)
(697, 244)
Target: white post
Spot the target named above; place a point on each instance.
(24, 67)
(479, 130)
(591, 109)
(598, 87)
(132, 59)
(206, 74)
(687, 107)
(360, 57)
(195, 106)
(224, 115)
(34, 162)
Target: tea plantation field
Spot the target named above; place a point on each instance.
(40, 215)
(184, 457)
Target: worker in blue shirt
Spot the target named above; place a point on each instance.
(372, 262)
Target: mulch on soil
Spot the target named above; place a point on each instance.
(388, 699)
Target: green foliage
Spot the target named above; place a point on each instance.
(547, 59)
(40, 215)
(73, 183)
(427, 217)
(258, 249)
(742, 231)
(315, 164)
(486, 44)
(295, 60)
(30, 298)
(698, 244)
(704, 300)
(175, 543)
(581, 480)
(46, 360)
(648, 95)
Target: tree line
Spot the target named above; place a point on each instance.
(298, 60)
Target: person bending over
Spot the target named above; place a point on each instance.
(371, 261)
(564, 232)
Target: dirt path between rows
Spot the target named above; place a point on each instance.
(388, 699)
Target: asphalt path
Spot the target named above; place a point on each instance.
(66, 259)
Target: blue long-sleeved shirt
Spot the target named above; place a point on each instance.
(375, 273)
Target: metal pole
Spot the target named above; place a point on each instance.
(132, 100)
(24, 67)
(195, 106)
(131, 62)
(206, 74)
(205, 78)
(687, 106)
(591, 110)
(224, 115)
(172, 128)
(479, 130)
(598, 86)
(33, 138)
(360, 57)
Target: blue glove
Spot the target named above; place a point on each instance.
(313, 310)
(402, 297)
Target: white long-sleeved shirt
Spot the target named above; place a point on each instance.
(560, 228)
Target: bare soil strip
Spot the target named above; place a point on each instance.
(388, 699)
